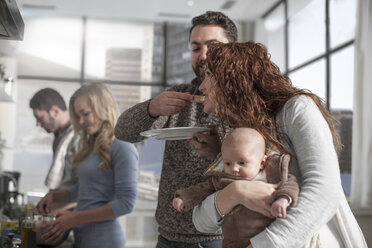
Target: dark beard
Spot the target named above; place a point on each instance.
(200, 75)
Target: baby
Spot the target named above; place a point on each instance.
(244, 158)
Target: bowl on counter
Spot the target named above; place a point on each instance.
(43, 219)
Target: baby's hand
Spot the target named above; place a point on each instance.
(178, 204)
(279, 207)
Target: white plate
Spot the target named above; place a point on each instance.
(174, 133)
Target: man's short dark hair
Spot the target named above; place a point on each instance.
(218, 19)
(44, 99)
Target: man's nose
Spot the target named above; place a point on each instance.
(38, 123)
(203, 55)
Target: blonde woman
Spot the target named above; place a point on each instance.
(106, 169)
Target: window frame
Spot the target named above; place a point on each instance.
(326, 55)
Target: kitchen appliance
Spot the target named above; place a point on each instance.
(5, 82)
(11, 23)
(9, 186)
(43, 219)
(2, 144)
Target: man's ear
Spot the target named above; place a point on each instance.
(54, 111)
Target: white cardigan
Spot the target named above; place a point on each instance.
(322, 207)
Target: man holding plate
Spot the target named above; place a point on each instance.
(184, 160)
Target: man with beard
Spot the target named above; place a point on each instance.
(51, 113)
(184, 162)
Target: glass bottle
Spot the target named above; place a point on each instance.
(28, 230)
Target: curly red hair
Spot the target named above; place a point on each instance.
(250, 90)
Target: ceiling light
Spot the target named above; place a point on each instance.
(173, 15)
(228, 4)
(38, 6)
(190, 3)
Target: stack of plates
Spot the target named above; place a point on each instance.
(175, 133)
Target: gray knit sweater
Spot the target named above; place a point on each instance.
(182, 166)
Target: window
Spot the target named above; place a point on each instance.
(119, 51)
(341, 105)
(129, 57)
(342, 21)
(63, 53)
(275, 27)
(342, 78)
(311, 77)
(51, 48)
(33, 151)
(319, 36)
(306, 31)
(179, 68)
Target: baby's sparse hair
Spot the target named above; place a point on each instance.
(245, 135)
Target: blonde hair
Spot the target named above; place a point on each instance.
(104, 106)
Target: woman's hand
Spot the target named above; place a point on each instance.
(206, 145)
(64, 222)
(44, 205)
(254, 195)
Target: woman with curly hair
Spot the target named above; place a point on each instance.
(246, 89)
(106, 169)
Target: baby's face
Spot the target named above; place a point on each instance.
(242, 162)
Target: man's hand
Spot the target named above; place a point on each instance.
(168, 103)
(206, 145)
(44, 205)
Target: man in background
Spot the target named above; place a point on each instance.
(51, 113)
(184, 161)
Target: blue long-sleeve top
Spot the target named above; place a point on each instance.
(116, 186)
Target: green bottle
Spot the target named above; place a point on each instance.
(28, 229)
